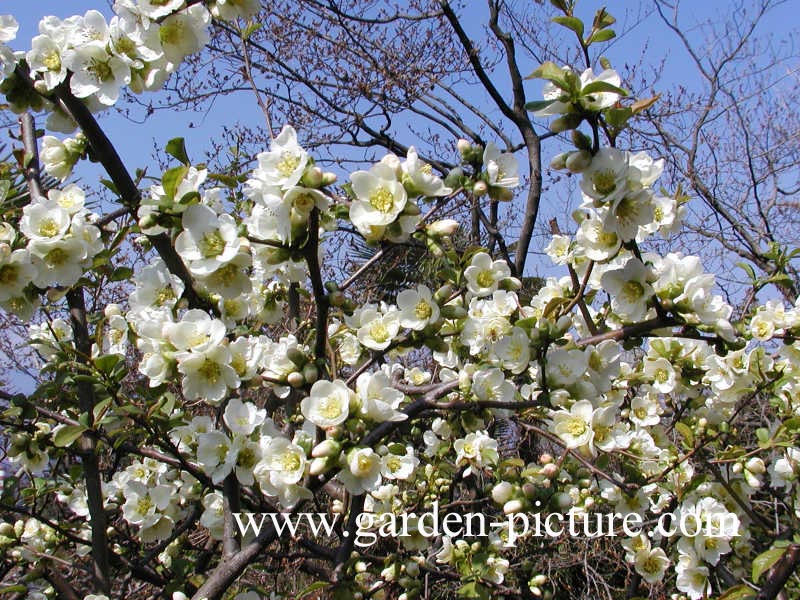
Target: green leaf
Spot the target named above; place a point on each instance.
(106, 363)
(172, 179)
(227, 180)
(764, 562)
(740, 592)
(5, 185)
(618, 117)
(602, 86)
(551, 72)
(176, 147)
(250, 30)
(110, 185)
(573, 23)
(602, 19)
(314, 587)
(686, 433)
(644, 104)
(67, 434)
(121, 274)
(602, 35)
(748, 268)
(538, 104)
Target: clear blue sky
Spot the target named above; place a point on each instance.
(136, 142)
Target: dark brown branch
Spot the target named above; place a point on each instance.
(779, 574)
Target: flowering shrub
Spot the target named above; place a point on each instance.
(221, 386)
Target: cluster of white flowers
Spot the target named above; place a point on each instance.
(58, 243)
(385, 197)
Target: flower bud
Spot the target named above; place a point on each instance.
(326, 448)
(312, 177)
(443, 294)
(480, 189)
(512, 506)
(310, 373)
(756, 466)
(318, 466)
(565, 123)
(501, 493)
(549, 470)
(581, 140)
(443, 227)
(328, 178)
(463, 146)
(295, 379)
(453, 178)
(559, 161)
(577, 162)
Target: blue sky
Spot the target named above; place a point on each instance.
(135, 142)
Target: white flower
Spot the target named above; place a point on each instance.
(45, 57)
(58, 262)
(184, 33)
(629, 289)
(477, 449)
(208, 240)
(213, 517)
(501, 168)
(605, 179)
(207, 375)
(565, 367)
(230, 10)
(243, 417)
(489, 385)
(16, 271)
(283, 165)
(270, 218)
(216, 454)
(559, 249)
(662, 373)
(328, 404)
(72, 199)
(96, 72)
(44, 221)
(378, 329)
(155, 9)
(156, 287)
(417, 308)
(483, 275)
(513, 351)
(645, 410)
(284, 464)
(380, 199)
(651, 564)
(362, 472)
(629, 213)
(594, 102)
(8, 29)
(419, 179)
(395, 466)
(594, 240)
(143, 504)
(196, 332)
(692, 578)
(89, 29)
(377, 399)
(574, 426)
(231, 280)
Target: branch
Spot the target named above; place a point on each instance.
(130, 196)
(86, 398)
(780, 573)
(88, 445)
